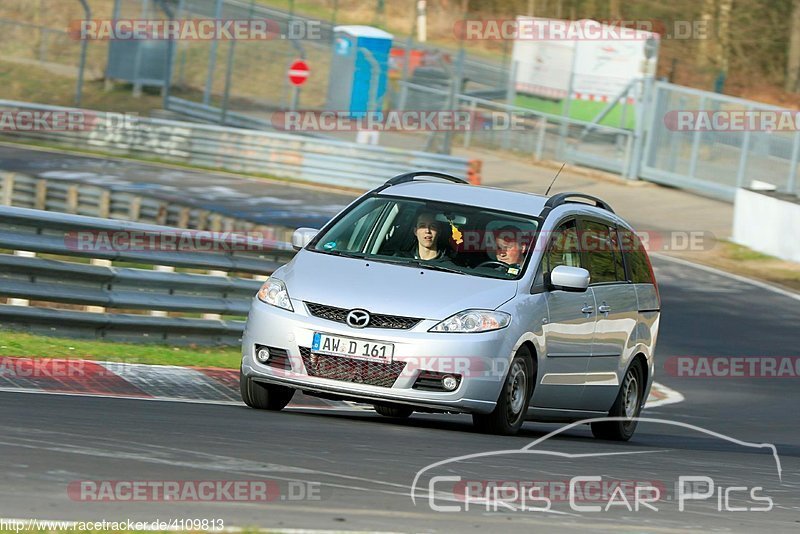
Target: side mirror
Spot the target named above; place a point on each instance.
(302, 237)
(569, 278)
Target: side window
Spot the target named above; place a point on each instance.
(636, 257)
(564, 248)
(352, 237)
(602, 247)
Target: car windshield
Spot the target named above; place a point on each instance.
(432, 235)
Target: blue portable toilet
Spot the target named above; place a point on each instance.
(356, 50)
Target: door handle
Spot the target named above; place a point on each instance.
(604, 308)
(587, 309)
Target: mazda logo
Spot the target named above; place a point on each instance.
(358, 318)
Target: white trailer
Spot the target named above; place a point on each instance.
(599, 59)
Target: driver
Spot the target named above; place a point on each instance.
(509, 248)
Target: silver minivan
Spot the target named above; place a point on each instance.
(429, 294)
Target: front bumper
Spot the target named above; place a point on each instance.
(480, 359)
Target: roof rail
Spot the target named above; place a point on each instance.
(409, 177)
(563, 198)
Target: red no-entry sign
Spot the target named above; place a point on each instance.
(298, 72)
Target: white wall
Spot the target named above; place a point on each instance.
(767, 224)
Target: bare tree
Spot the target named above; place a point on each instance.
(705, 45)
(793, 57)
(724, 35)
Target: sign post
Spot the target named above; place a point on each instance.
(298, 74)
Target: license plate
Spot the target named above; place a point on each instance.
(352, 348)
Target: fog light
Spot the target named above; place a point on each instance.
(449, 382)
(262, 355)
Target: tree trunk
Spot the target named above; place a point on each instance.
(614, 12)
(724, 35)
(705, 44)
(793, 59)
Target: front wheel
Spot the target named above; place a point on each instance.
(627, 405)
(509, 413)
(264, 396)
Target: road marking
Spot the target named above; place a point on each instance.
(737, 277)
(670, 397)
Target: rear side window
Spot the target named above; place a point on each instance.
(602, 248)
(636, 257)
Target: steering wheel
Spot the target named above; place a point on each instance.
(492, 263)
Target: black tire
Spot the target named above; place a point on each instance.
(628, 404)
(393, 411)
(263, 396)
(512, 405)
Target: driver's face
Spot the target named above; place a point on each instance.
(508, 251)
(426, 231)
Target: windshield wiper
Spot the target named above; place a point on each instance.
(436, 267)
(344, 254)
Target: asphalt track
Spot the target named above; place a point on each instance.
(284, 205)
(359, 467)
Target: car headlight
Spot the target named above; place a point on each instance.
(474, 321)
(274, 292)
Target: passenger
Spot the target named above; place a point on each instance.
(427, 231)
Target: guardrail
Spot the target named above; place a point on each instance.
(38, 289)
(296, 157)
(23, 191)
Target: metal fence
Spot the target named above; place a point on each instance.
(297, 157)
(232, 82)
(75, 289)
(715, 163)
(542, 135)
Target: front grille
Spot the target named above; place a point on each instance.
(377, 320)
(350, 370)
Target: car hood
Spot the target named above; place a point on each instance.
(389, 289)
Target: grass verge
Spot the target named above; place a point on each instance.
(34, 346)
(579, 110)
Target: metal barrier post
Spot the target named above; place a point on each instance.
(740, 173)
(8, 189)
(696, 142)
(101, 263)
(214, 316)
(79, 87)
(16, 301)
(792, 180)
(163, 269)
(455, 88)
(631, 169)
(212, 58)
(468, 134)
(540, 141)
(510, 96)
